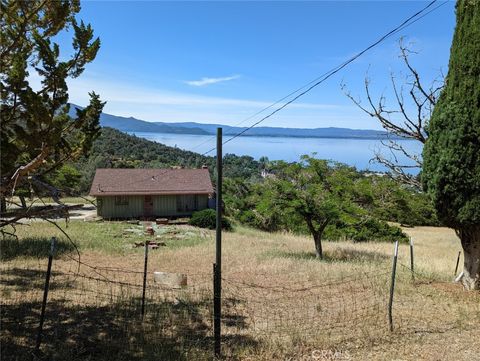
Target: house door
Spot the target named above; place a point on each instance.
(148, 206)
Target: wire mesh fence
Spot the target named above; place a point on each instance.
(95, 310)
(302, 311)
(416, 306)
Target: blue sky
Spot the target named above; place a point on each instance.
(220, 62)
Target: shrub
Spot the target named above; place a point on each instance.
(207, 218)
(374, 230)
(368, 229)
(248, 218)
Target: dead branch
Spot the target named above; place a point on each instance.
(70, 240)
(399, 121)
(43, 212)
(54, 192)
(23, 170)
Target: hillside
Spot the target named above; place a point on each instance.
(330, 132)
(115, 149)
(132, 125)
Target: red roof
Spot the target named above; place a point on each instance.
(114, 182)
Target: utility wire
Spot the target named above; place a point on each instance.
(319, 80)
(264, 109)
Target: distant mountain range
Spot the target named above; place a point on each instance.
(133, 125)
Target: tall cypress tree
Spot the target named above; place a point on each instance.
(451, 170)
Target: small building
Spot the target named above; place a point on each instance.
(137, 193)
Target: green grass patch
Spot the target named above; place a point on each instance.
(115, 238)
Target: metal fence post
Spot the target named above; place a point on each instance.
(458, 261)
(45, 295)
(217, 297)
(215, 313)
(411, 259)
(392, 286)
(144, 278)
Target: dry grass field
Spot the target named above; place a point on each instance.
(279, 302)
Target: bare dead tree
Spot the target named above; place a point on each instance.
(407, 119)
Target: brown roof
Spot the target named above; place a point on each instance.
(114, 182)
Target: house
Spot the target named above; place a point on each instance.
(136, 193)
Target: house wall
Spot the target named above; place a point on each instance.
(163, 206)
(107, 208)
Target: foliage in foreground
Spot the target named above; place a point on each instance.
(37, 134)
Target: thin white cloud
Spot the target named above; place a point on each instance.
(144, 96)
(207, 81)
(153, 104)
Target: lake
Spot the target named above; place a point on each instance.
(355, 152)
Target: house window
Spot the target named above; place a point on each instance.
(187, 203)
(121, 201)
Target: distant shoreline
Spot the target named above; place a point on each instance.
(276, 136)
(132, 126)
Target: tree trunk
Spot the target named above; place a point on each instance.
(317, 233)
(470, 238)
(3, 205)
(317, 238)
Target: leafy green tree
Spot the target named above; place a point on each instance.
(451, 171)
(391, 200)
(315, 191)
(66, 178)
(37, 134)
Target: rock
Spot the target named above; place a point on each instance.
(171, 280)
(149, 231)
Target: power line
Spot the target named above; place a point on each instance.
(263, 109)
(319, 80)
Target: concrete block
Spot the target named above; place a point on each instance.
(171, 280)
